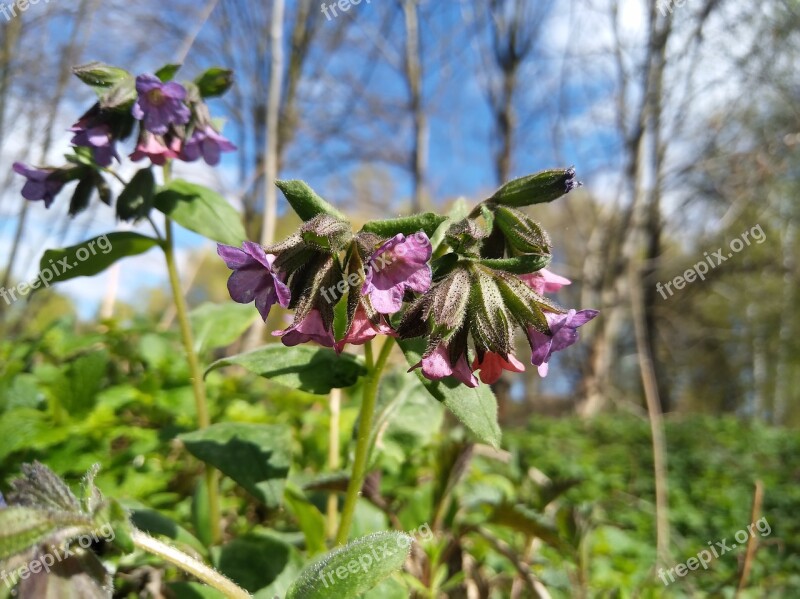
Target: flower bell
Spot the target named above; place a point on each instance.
(160, 104)
(254, 277)
(400, 264)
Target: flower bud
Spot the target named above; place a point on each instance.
(326, 233)
(522, 233)
(466, 236)
(490, 322)
(542, 187)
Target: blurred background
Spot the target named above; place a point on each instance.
(681, 119)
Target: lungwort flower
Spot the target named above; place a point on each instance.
(438, 363)
(545, 281)
(366, 325)
(310, 327)
(564, 332)
(43, 183)
(492, 365)
(99, 139)
(159, 104)
(206, 142)
(156, 148)
(253, 277)
(400, 264)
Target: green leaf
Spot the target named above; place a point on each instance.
(475, 408)
(218, 325)
(135, 201)
(519, 265)
(545, 186)
(530, 523)
(82, 195)
(201, 514)
(309, 518)
(254, 561)
(407, 225)
(99, 75)
(214, 82)
(256, 456)
(90, 257)
(310, 369)
(167, 72)
(120, 96)
(201, 210)
(354, 569)
(305, 202)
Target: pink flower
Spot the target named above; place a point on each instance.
(437, 365)
(309, 328)
(493, 365)
(209, 144)
(253, 277)
(362, 329)
(401, 263)
(545, 281)
(156, 149)
(564, 329)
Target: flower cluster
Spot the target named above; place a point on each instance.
(174, 124)
(310, 277)
(488, 279)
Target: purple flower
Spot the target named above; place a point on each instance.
(253, 277)
(206, 142)
(309, 328)
(544, 281)
(564, 329)
(42, 184)
(99, 138)
(156, 148)
(362, 329)
(436, 365)
(160, 104)
(492, 366)
(400, 263)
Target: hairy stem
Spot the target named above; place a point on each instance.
(196, 374)
(189, 565)
(362, 445)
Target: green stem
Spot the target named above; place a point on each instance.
(195, 372)
(368, 402)
(369, 360)
(188, 564)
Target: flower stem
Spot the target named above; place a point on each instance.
(368, 402)
(188, 564)
(196, 374)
